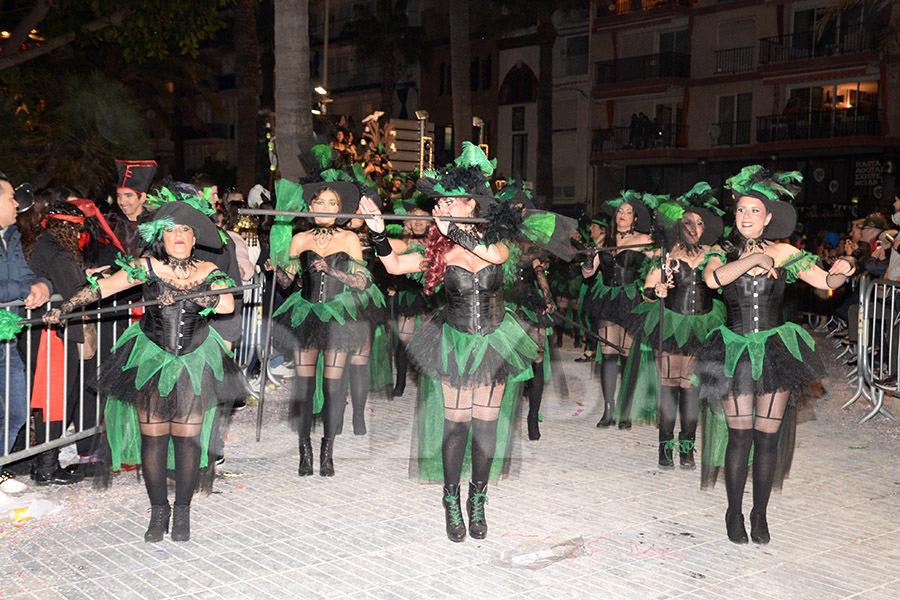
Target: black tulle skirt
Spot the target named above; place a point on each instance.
(337, 325)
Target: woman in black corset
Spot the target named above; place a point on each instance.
(612, 297)
(692, 223)
(321, 317)
(751, 368)
(167, 372)
(471, 347)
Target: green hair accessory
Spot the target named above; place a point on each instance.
(756, 180)
(152, 230)
(668, 213)
(473, 156)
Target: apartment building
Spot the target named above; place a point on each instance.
(694, 90)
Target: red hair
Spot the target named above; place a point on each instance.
(436, 247)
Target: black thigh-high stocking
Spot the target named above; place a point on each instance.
(453, 449)
(689, 406)
(302, 405)
(535, 390)
(667, 408)
(737, 455)
(187, 466)
(484, 441)
(154, 452)
(333, 394)
(402, 363)
(769, 414)
(609, 372)
(358, 376)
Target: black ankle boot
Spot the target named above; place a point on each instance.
(181, 523)
(46, 470)
(686, 452)
(456, 527)
(666, 452)
(534, 431)
(401, 361)
(475, 508)
(159, 523)
(759, 527)
(326, 460)
(306, 458)
(624, 424)
(399, 388)
(734, 525)
(607, 419)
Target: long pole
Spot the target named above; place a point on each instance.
(327, 215)
(264, 368)
(112, 309)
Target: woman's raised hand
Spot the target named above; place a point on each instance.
(368, 207)
(442, 225)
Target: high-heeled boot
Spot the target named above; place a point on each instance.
(306, 457)
(609, 371)
(181, 523)
(401, 360)
(734, 525)
(159, 523)
(759, 527)
(475, 508)
(686, 452)
(456, 527)
(326, 460)
(666, 451)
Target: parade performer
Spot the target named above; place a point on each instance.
(410, 302)
(322, 316)
(566, 283)
(472, 349)
(530, 297)
(752, 368)
(691, 223)
(167, 372)
(612, 297)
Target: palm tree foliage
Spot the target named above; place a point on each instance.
(889, 35)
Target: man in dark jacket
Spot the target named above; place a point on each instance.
(17, 282)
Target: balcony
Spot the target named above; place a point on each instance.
(736, 60)
(730, 133)
(619, 139)
(623, 7)
(649, 66)
(807, 45)
(819, 124)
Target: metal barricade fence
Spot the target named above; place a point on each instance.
(108, 331)
(878, 359)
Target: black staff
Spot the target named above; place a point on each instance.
(328, 215)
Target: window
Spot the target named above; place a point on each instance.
(520, 156)
(577, 55)
(474, 78)
(487, 73)
(442, 75)
(735, 117)
(518, 118)
(674, 41)
(448, 138)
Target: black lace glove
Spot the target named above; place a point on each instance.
(462, 237)
(83, 297)
(284, 278)
(729, 272)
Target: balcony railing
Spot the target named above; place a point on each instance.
(730, 133)
(624, 7)
(664, 64)
(806, 45)
(736, 60)
(617, 139)
(818, 124)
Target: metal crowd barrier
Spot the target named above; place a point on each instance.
(108, 330)
(878, 358)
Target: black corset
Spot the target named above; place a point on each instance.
(690, 296)
(754, 303)
(178, 328)
(622, 268)
(319, 286)
(474, 300)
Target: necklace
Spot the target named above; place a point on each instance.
(625, 233)
(754, 244)
(183, 268)
(322, 236)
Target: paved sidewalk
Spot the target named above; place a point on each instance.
(371, 532)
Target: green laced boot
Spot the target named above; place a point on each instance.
(667, 453)
(456, 527)
(686, 452)
(475, 507)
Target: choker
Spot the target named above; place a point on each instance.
(323, 235)
(624, 233)
(183, 268)
(753, 244)
(691, 249)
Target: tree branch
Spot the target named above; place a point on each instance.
(18, 58)
(14, 43)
